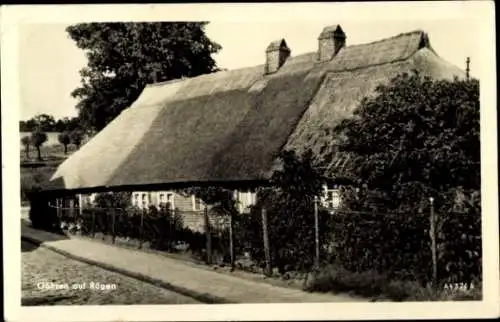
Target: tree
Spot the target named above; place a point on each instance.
(76, 138)
(26, 142)
(38, 138)
(124, 57)
(45, 122)
(64, 139)
(415, 138)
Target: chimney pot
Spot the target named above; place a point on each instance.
(276, 54)
(330, 41)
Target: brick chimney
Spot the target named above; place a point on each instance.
(330, 41)
(276, 54)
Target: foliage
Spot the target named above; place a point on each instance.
(289, 203)
(48, 124)
(117, 200)
(124, 57)
(161, 228)
(43, 122)
(220, 200)
(394, 244)
(415, 138)
(41, 215)
(76, 137)
(38, 138)
(26, 142)
(64, 139)
(459, 242)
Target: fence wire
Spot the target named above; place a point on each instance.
(396, 244)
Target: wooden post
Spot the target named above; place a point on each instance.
(267, 252)
(93, 223)
(141, 230)
(59, 205)
(316, 232)
(231, 241)
(72, 208)
(80, 203)
(113, 219)
(432, 232)
(208, 237)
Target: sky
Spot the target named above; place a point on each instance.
(49, 61)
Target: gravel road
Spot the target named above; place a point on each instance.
(49, 278)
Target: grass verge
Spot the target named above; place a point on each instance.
(372, 284)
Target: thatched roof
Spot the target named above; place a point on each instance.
(229, 126)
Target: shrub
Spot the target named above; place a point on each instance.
(290, 210)
(41, 215)
(396, 244)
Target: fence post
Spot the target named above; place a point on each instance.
(316, 232)
(59, 206)
(432, 232)
(231, 241)
(93, 223)
(141, 229)
(71, 208)
(208, 237)
(113, 219)
(170, 231)
(265, 234)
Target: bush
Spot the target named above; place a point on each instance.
(395, 244)
(290, 210)
(162, 229)
(41, 215)
(398, 244)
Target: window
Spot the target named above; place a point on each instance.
(135, 199)
(166, 199)
(197, 203)
(245, 200)
(145, 201)
(331, 198)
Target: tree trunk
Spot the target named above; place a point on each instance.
(27, 151)
(39, 153)
(65, 149)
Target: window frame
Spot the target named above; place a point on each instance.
(331, 197)
(196, 201)
(169, 199)
(144, 200)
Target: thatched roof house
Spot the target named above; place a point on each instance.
(229, 126)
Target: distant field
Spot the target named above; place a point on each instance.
(50, 153)
(51, 137)
(36, 173)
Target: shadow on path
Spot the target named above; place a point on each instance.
(27, 246)
(45, 300)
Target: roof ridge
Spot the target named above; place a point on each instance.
(400, 35)
(219, 72)
(173, 81)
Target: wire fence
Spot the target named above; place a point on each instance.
(426, 247)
